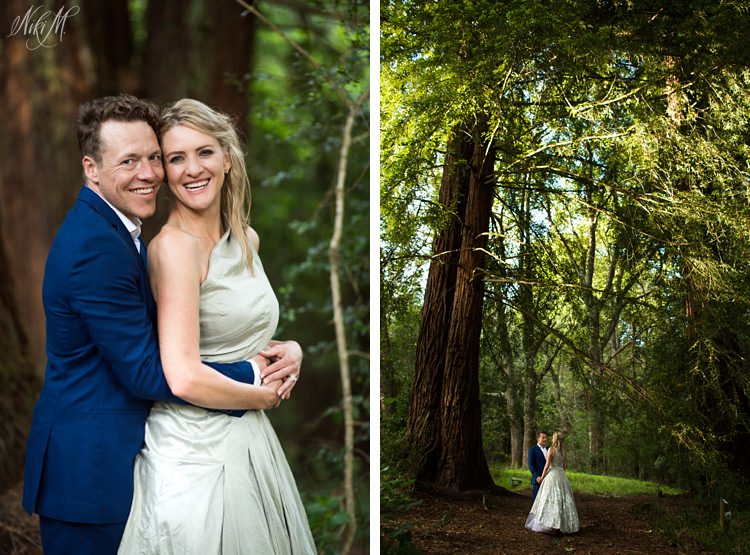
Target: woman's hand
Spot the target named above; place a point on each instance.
(286, 361)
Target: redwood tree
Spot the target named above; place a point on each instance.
(444, 428)
(424, 429)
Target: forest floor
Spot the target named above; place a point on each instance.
(476, 524)
(19, 532)
(470, 523)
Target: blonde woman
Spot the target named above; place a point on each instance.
(554, 509)
(207, 482)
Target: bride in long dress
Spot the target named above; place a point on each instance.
(554, 509)
(206, 482)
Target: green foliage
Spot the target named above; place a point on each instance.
(616, 290)
(295, 126)
(325, 502)
(395, 498)
(326, 516)
(695, 526)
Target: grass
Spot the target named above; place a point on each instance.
(594, 484)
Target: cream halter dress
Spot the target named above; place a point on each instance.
(206, 482)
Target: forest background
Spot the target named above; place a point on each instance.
(295, 75)
(565, 239)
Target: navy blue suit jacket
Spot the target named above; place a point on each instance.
(103, 370)
(537, 460)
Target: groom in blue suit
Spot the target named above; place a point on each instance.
(537, 460)
(103, 365)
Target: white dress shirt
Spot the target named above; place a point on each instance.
(133, 227)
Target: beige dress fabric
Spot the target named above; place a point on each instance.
(554, 509)
(206, 482)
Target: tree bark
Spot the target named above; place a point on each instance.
(41, 89)
(423, 434)
(108, 35)
(388, 385)
(463, 464)
(212, 65)
(18, 381)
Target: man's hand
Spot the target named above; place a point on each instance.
(261, 363)
(538, 479)
(270, 399)
(286, 362)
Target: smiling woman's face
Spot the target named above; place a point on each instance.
(195, 166)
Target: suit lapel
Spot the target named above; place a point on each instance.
(102, 208)
(144, 254)
(97, 204)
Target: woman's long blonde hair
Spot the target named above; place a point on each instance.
(557, 441)
(235, 194)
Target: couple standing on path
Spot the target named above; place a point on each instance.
(107, 468)
(554, 509)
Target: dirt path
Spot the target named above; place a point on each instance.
(495, 525)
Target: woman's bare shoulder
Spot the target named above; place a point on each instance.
(172, 244)
(253, 237)
(171, 236)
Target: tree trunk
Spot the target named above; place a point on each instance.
(388, 384)
(462, 463)
(596, 443)
(41, 89)
(516, 430)
(109, 38)
(423, 427)
(229, 58)
(213, 69)
(529, 415)
(18, 381)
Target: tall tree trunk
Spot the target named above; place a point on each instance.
(213, 66)
(41, 89)
(595, 351)
(506, 359)
(388, 384)
(423, 433)
(505, 362)
(530, 344)
(229, 58)
(109, 38)
(166, 69)
(529, 414)
(462, 463)
(516, 431)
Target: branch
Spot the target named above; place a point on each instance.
(352, 109)
(577, 110)
(338, 318)
(296, 46)
(568, 143)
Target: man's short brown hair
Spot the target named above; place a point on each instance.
(124, 107)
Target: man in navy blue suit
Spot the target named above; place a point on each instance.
(103, 364)
(537, 460)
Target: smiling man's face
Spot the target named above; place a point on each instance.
(130, 171)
